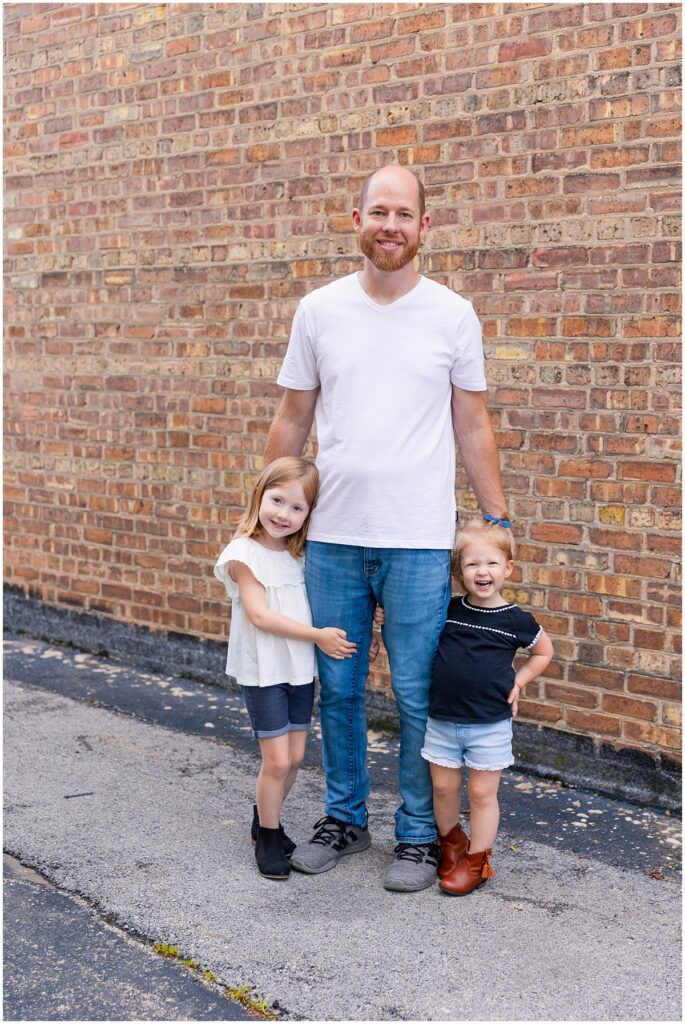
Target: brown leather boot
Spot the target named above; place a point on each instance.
(453, 846)
(473, 870)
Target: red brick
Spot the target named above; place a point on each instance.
(647, 28)
(405, 136)
(653, 686)
(535, 711)
(534, 47)
(658, 568)
(369, 29)
(342, 58)
(574, 695)
(655, 736)
(569, 256)
(591, 182)
(588, 721)
(420, 22)
(554, 202)
(529, 281)
(662, 472)
(615, 704)
(621, 586)
(557, 533)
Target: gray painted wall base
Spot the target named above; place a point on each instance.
(550, 753)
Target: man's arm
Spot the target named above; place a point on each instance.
(478, 449)
(291, 424)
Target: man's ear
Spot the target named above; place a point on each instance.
(356, 219)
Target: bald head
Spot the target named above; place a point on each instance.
(394, 172)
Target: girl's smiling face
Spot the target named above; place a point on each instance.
(282, 512)
(484, 569)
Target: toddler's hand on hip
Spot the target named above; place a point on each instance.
(513, 699)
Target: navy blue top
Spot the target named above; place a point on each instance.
(473, 672)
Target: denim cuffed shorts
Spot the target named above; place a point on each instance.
(275, 710)
(485, 746)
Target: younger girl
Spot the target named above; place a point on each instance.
(271, 644)
(473, 696)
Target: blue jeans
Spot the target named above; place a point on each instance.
(344, 583)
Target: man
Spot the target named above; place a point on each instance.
(392, 365)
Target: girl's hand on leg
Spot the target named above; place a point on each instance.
(334, 643)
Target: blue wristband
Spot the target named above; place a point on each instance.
(494, 519)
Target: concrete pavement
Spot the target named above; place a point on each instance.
(150, 824)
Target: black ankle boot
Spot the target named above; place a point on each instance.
(271, 860)
(288, 844)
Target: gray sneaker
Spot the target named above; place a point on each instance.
(332, 840)
(414, 867)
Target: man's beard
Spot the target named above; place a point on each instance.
(385, 260)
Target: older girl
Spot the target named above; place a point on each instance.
(271, 645)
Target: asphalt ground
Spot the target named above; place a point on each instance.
(134, 792)
(62, 962)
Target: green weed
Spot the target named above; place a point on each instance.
(242, 994)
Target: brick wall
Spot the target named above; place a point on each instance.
(178, 176)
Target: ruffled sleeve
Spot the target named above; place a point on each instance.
(242, 549)
(528, 631)
(270, 568)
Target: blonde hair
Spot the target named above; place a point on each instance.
(285, 470)
(480, 529)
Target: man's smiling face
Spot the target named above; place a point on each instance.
(390, 227)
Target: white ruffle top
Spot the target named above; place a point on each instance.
(256, 658)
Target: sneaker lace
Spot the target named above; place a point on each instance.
(329, 832)
(417, 854)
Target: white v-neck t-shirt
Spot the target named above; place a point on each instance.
(383, 415)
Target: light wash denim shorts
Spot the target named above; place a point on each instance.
(486, 746)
